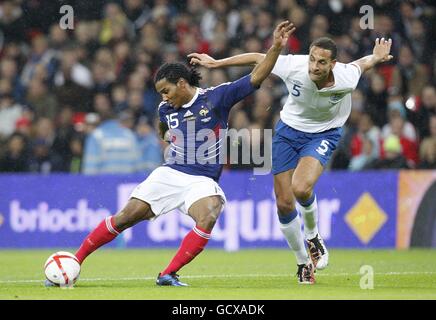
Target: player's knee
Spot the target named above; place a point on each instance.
(302, 191)
(285, 205)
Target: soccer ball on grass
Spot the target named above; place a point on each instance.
(62, 269)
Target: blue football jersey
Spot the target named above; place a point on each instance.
(197, 129)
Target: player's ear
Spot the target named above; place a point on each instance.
(333, 63)
(181, 83)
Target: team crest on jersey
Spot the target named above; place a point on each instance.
(203, 112)
(336, 97)
(297, 82)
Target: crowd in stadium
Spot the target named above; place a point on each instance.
(62, 90)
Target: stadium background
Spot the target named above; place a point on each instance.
(59, 87)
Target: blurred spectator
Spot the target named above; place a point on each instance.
(377, 99)
(76, 154)
(15, 159)
(111, 148)
(119, 97)
(427, 149)
(115, 25)
(92, 121)
(427, 153)
(137, 11)
(149, 144)
(72, 70)
(42, 160)
(365, 144)
(9, 72)
(409, 77)
(41, 54)
(427, 109)
(10, 112)
(365, 158)
(12, 23)
(393, 158)
(409, 147)
(41, 100)
(398, 119)
(63, 136)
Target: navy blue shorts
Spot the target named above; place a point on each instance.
(289, 145)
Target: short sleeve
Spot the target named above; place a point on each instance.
(351, 74)
(283, 66)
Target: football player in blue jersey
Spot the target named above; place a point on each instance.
(188, 179)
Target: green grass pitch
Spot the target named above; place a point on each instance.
(262, 274)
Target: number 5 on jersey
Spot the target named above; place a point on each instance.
(323, 147)
(296, 90)
(172, 120)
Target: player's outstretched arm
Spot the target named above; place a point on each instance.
(244, 59)
(265, 66)
(380, 54)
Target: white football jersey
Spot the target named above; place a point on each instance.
(311, 110)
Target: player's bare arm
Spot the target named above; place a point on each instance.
(245, 59)
(265, 66)
(163, 129)
(380, 54)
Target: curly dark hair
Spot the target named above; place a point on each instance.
(172, 72)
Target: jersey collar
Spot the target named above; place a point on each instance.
(187, 105)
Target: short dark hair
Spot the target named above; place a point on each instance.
(176, 70)
(327, 44)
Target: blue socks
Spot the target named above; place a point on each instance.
(289, 217)
(309, 201)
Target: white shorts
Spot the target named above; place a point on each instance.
(166, 189)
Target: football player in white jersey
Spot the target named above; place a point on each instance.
(309, 129)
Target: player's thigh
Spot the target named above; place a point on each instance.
(283, 183)
(321, 145)
(284, 154)
(314, 156)
(205, 211)
(135, 211)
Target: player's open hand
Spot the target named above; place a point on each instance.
(382, 48)
(202, 59)
(282, 33)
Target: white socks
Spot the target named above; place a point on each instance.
(294, 237)
(310, 219)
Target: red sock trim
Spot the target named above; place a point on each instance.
(202, 232)
(110, 224)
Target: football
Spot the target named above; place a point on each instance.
(62, 269)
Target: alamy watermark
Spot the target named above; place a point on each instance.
(67, 20)
(367, 20)
(367, 277)
(223, 146)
